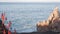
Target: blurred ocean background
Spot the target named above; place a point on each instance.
(24, 16)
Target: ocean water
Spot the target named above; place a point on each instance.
(24, 16)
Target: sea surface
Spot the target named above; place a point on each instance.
(24, 16)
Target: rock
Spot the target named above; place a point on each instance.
(51, 24)
(42, 26)
(43, 23)
(54, 14)
(56, 25)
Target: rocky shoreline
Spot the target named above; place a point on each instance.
(51, 24)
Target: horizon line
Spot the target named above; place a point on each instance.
(29, 2)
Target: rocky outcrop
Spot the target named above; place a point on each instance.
(42, 26)
(51, 24)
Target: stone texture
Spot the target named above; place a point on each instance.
(51, 24)
(54, 14)
(42, 26)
